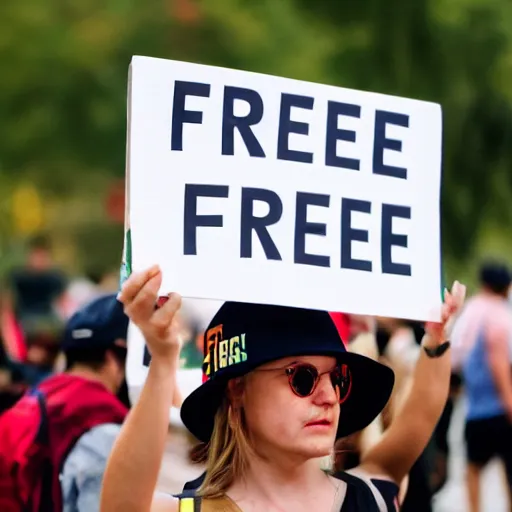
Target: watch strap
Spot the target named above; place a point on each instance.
(437, 351)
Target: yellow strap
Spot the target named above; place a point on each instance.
(187, 505)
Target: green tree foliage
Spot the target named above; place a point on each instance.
(64, 67)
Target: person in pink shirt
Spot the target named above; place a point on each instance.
(482, 352)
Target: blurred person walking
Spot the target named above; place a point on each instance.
(36, 291)
(55, 441)
(33, 306)
(482, 340)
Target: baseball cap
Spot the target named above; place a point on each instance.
(97, 325)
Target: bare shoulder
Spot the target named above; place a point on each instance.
(164, 503)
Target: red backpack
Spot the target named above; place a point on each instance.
(37, 434)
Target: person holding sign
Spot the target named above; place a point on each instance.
(279, 388)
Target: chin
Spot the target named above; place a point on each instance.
(316, 448)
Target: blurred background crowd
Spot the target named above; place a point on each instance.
(62, 157)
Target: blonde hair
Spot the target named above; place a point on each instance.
(227, 454)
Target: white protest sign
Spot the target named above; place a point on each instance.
(255, 188)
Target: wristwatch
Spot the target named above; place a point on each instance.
(438, 351)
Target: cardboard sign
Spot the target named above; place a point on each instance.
(261, 189)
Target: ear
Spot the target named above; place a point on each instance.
(109, 357)
(121, 343)
(236, 389)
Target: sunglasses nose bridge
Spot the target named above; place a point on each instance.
(325, 382)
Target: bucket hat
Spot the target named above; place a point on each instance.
(243, 336)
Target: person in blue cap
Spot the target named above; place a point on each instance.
(279, 388)
(61, 432)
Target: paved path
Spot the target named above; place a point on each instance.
(453, 497)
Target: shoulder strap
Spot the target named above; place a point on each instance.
(187, 493)
(192, 504)
(363, 494)
(189, 502)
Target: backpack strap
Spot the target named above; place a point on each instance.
(362, 492)
(43, 433)
(47, 470)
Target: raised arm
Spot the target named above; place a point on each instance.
(409, 433)
(134, 463)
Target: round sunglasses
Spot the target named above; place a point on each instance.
(303, 379)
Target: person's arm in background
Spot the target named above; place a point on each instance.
(365, 344)
(12, 335)
(406, 438)
(498, 345)
(463, 335)
(83, 469)
(62, 299)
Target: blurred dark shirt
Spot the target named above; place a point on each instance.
(35, 292)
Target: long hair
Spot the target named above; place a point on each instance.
(227, 454)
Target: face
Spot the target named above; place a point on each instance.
(278, 419)
(39, 258)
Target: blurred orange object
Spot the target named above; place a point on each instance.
(185, 11)
(13, 338)
(115, 202)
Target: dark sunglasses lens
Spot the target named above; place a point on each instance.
(303, 380)
(341, 380)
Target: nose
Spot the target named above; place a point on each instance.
(325, 394)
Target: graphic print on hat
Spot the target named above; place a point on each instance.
(221, 353)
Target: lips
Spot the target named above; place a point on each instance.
(320, 422)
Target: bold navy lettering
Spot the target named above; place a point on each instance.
(180, 116)
(303, 228)
(242, 124)
(349, 234)
(383, 118)
(390, 239)
(287, 126)
(191, 220)
(334, 134)
(259, 224)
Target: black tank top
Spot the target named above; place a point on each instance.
(358, 498)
